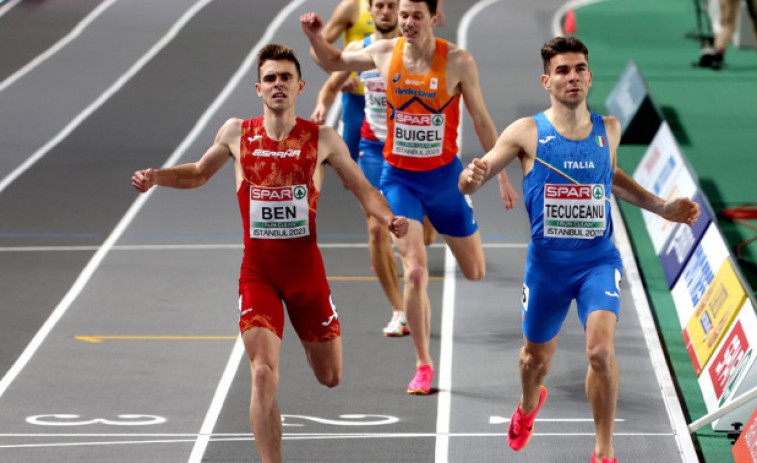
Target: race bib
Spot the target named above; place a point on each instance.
(418, 135)
(574, 211)
(279, 212)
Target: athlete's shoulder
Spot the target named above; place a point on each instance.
(384, 45)
(326, 133)
(612, 124)
(231, 128)
(457, 55)
(524, 125)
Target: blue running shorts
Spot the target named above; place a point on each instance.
(553, 279)
(371, 160)
(353, 113)
(432, 193)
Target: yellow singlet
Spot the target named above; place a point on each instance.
(360, 30)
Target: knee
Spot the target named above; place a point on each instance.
(330, 378)
(534, 360)
(376, 231)
(264, 380)
(416, 275)
(474, 273)
(601, 358)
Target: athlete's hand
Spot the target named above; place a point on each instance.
(476, 171)
(507, 192)
(399, 226)
(350, 85)
(311, 24)
(319, 114)
(143, 180)
(681, 210)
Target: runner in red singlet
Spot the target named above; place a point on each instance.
(425, 78)
(279, 165)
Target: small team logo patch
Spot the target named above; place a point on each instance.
(600, 141)
(397, 77)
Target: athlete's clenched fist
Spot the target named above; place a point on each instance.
(143, 180)
(311, 23)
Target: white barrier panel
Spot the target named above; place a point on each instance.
(663, 171)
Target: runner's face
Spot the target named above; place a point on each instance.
(384, 14)
(415, 20)
(569, 78)
(279, 85)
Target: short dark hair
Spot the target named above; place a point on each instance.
(430, 3)
(559, 45)
(276, 52)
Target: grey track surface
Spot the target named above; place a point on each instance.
(58, 212)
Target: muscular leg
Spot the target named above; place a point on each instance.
(383, 260)
(325, 358)
(417, 304)
(469, 254)
(602, 378)
(263, 348)
(535, 361)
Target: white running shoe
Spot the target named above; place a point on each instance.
(397, 326)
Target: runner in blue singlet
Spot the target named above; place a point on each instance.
(568, 156)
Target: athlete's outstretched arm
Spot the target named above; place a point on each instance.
(328, 56)
(624, 187)
(482, 121)
(373, 202)
(194, 174)
(509, 145)
(680, 209)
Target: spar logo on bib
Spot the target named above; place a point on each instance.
(420, 119)
(299, 192)
(569, 191)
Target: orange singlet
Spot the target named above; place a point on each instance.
(278, 200)
(422, 118)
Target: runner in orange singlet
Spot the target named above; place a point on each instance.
(279, 165)
(425, 77)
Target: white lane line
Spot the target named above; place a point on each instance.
(211, 417)
(310, 437)
(7, 7)
(95, 105)
(444, 400)
(68, 38)
(228, 375)
(102, 251)
(656, 355)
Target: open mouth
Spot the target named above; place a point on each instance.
(279, 95)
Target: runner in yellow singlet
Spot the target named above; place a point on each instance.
(351, 19)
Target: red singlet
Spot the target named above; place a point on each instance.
(278, 201)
